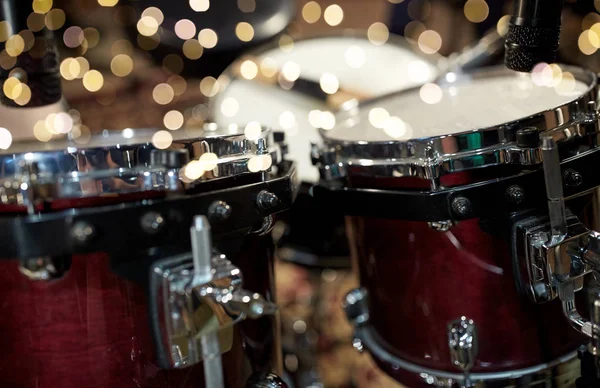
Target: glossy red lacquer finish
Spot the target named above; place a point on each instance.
(419, 280)
(90, 328)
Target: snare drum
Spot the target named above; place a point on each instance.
(99, 288)
(436, 182)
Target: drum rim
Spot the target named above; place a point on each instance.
(427, 157)
(31, 182)
(227, 77)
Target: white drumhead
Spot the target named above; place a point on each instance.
(454, 107)
(359, 66)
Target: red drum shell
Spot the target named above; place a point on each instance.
(419, 280)
(91, 329)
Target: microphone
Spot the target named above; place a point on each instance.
(533, 34)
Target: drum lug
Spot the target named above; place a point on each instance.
(356, 307)
(441, 226)
(464, 346)
(196, 302)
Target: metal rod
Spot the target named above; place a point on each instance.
(202, 253)
(596, 335)
(554, 188)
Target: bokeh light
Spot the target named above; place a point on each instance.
(163, 94)
(178, 83)
(162, 140)
(355, 57)
(290, 71)
(268, 67)
(15, 45)
(378, 117)
(253, 131)
(41, 6)
(147, 26)
(430, 42)
(329, 83)
(92, 36)
(93, 80)
(200, 5)
(247, 6)
(108, 3)
(73, 37)
(431, 93)
(154, 13)
(121, 65)
(230, 107)
(208, 161)
(378, 33)
(395, 127)
(244, 31)
(209, 86)
(54, 20)
(311, 12)
(259, 163)
(503, 24)
(334, 15)
(249, 70)
(476, 11)
(588, 42)
(40, 131)
(173, 120)
(5, 138)
(208, 38)
(12, 88)
(192, 49)
(286, 43)
(185, 29)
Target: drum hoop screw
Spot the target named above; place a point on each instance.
(515, 194)
(573, 178)
(152, 222)
(219, 211)
(462, 206)
(83, 232)
(267, 200)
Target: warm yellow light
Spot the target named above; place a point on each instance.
(5, 31)
(329, 83)
(92, 36)
(311, 12)
(290, 71)
(6, 61)
(12, 88)
(476, 11)
(244, 31)
(173, 120)
(378, 117)
(230, 107)
(334, 14)
(162, 140)
(84, 67)
(154, 13)
(430, 42)
(378, 33)
(193, 170)
(15, 45)
(200, 5)
(192, 49)
(41, 6)
(395, 127)
(73, 37)
(503, 25)
(185, 29)
(41, 132)
(253, 131)
(25, 96)
(163, 94)
(121, 65)
(178, 83)
(268, 67)
(54, 19)
(108, 3)
(586, 42)
(93, 80)
(208, 38)
(249, 70)
(147, 26)
(209, 86)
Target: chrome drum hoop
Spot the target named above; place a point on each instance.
(560, 373)
(431, 157)
(120, 162)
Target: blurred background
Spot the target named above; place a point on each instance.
(154, 63)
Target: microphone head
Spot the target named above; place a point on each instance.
(527, 46)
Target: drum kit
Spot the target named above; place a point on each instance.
(466, 197)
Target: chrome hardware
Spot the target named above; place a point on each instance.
(267, 200)
(265, 380)
(197, 300)
(462, 341)
(83, 232)
(219, 211)
(41, 268)
(356, 307)
(152, 222)
(441, 226)
(266, 227)
(561, 372)
(431, 157)
(462, 206)
(116, 162)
